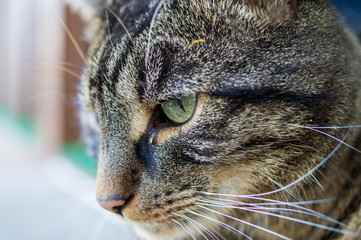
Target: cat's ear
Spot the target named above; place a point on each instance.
(273, 10)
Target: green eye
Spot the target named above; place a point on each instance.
(180, 110)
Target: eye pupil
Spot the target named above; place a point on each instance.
(180, 104)
(180, 110)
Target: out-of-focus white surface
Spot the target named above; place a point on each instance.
(31, 54)
(42, 195)
(43, 198)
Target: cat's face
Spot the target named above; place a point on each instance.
(208, 102)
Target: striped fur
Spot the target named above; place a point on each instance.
(266, 74)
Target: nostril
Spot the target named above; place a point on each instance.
(112, 205)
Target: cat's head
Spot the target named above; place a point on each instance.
(191, 99)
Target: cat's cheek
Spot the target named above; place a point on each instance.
(140, 121)
(165, 134)
(134, 211)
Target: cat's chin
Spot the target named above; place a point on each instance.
(159, 231)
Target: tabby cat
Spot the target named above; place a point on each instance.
(225, 119)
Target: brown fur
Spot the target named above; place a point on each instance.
(265, 69)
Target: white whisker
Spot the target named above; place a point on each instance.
(121, 23)
(314, 179)
(71, 37)
(330, 127)
(305, 210)
(269, 201)
(328, 135)
(247, 223)
(308, 173)
(219, 234)
(185, 229)
(110, 38)
(191, 222)
(226, 226)
(198, 224)
(255, 207)
(160, 4)
(291, 219)
(289, 185)
(300, 210)
(286, 190)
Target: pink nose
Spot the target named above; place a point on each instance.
(112, 205)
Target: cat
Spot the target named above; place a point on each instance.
(216, 119)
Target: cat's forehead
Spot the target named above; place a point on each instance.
(198, 49)
(167, 63)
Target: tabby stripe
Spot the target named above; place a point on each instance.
(259, 95)
(95, 78)
(117, 57)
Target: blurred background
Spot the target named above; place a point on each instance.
(46, 179)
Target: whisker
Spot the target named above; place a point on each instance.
(247, 223)
(219, 234)
(211, 186)
(308, 223)
(236, 203)
(306, 210)
(299, 209)
(121, 23)
(63, 68)
(330, 127)
(184, 228)
(55, 63)
(273, 201)
(71, 37)
(110, 38)
(200, 225)
(195, 227)
(70, 72)
(317, 182)
(255, 206)
(328, 135)
(286, 190)
(230, 228)
(160, 4)
(292, 183)
(292, 219)
(308, 173)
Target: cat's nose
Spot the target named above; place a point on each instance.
(112, 205)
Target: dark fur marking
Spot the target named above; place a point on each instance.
(145, 153)
(318, 104)
(260, 95)
(184, 187)
(156, 196)
(170, 192)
